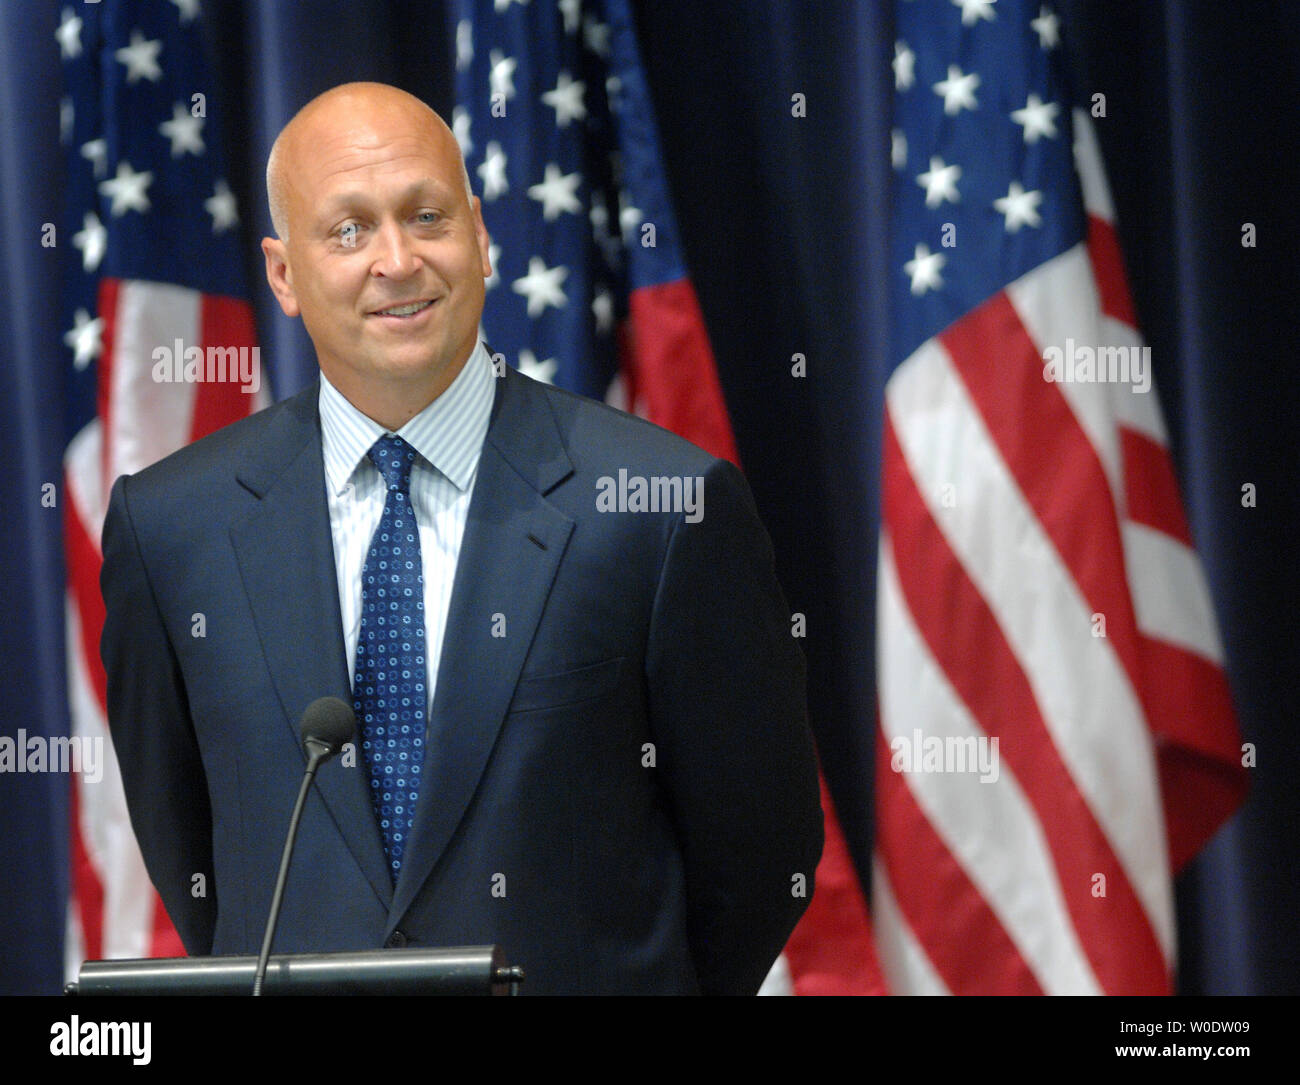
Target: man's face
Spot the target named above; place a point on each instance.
(386, 256)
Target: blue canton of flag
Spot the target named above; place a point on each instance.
(555, 124)
(986, 188)
(146, 191)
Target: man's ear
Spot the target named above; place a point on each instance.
(279, 275)
(481, 235)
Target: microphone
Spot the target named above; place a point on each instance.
(326, 725)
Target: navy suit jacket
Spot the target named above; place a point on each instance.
(620, 787)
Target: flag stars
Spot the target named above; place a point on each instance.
(67, 119)
(940, 183)
(188, 10)
(1048, 28)
(596, 35)
(529, 366)
(629, 217)
(572, 12)
(85, 337)
(898, 148)
(923, 269)
(464, 44)
(904, 65)
(1019, 208)
(493, 172)
(501, 75)
(96, 152)
(599, 216)
(128, 190)
(602, 308)
(614, 92)
(972, 11)
(957, 91)
(222, 207)
(460, 123)
(68, 35)
(566, 100)
(494, 259)
(140, 58)
(542, 286)
(92, 240)
(557, 193)
(1038, 118)
(184, 130)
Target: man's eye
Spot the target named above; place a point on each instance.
(347, 234)
(427, 218)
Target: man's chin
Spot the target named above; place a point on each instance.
(418, 369)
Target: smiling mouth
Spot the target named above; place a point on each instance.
(407, 310)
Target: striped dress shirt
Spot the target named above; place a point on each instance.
(448, 439)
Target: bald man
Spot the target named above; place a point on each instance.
(581, 728)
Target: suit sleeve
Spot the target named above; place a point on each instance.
(148, 717)
(729, 717)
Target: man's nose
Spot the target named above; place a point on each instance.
(395, 258)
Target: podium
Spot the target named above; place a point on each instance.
(462, 970)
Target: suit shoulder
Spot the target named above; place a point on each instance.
(595, 431)
(195, 466)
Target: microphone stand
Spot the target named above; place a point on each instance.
(318, 752)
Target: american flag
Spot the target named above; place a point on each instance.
(590, 291)
(153, 281)
(1038, 586)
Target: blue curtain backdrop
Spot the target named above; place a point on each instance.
(784, 224)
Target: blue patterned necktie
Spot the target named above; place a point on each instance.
(389, 690)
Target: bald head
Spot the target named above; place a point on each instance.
(348, 107)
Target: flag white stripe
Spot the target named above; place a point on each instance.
(1058, 305)
(1170, 595)
(148, 418)
(901, 957)
(1091, 170)
(1018, 878)
(1138, 411)
(81, 466)
(104, 824)
(779, 981)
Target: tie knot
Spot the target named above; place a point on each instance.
(394, 458)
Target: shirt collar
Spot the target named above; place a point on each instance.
(448, 433)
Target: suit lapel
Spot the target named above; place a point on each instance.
(286, 557)
(513, 544)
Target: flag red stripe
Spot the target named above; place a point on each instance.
(83, 562)
(223, 322)
(1201, 777)
(991, 683)
(1108, 270)
(1150, 488)
(668, 366)
(831, 951)
(163, 939)
(942, 906)
(1051, 458)
(109, 290)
